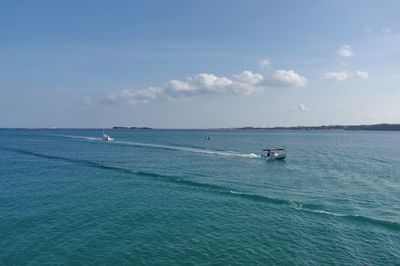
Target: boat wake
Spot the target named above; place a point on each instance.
(190, 149)
(78, 137)
(393, 225)
(222, 190)
(171, 147)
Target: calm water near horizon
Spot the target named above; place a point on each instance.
(171, 197)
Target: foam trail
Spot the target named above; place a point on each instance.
(171, 147)
(190, 149)
(79, 137)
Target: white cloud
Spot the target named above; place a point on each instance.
(243, 84)
(344, 75)
(300, 108)
(265, 62)
(248, 77)
(286, 78)
(303, 108)
(180, 85)
(367, 30)
(345, 51)
(135, 96)
(211, 83)
(247, 83)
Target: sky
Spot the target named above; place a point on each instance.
(199, 64)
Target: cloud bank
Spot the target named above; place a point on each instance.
(243, 84)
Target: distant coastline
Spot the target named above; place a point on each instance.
(373, 127)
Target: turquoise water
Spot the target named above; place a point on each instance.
(171, 197)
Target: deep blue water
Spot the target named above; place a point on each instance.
(172, 197)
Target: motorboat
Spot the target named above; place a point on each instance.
(208, 138)
(106, 137)
(274, 154)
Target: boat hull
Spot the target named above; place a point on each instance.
(278, 157)
(274, 154)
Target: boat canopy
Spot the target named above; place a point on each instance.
(274, 149)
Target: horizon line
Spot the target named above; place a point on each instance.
(210, 128)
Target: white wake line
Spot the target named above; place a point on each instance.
(78, 137)
(190, 149)
(175, 148)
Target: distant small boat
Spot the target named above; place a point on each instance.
(208, 138)
(106, 137)
(274, 154)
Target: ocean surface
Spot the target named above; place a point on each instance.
(164, 197)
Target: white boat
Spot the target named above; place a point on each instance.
(106, 137)
(274, 154)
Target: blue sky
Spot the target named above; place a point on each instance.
(198, 64)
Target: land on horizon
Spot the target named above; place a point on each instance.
(371, 127)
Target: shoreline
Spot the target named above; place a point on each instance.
(330, 128)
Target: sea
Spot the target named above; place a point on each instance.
(171, 197)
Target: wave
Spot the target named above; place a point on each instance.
(358, 218)
(167, 178)
(378, 160)
(172, 147)
(392, 225)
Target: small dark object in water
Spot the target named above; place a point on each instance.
(274, 154)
